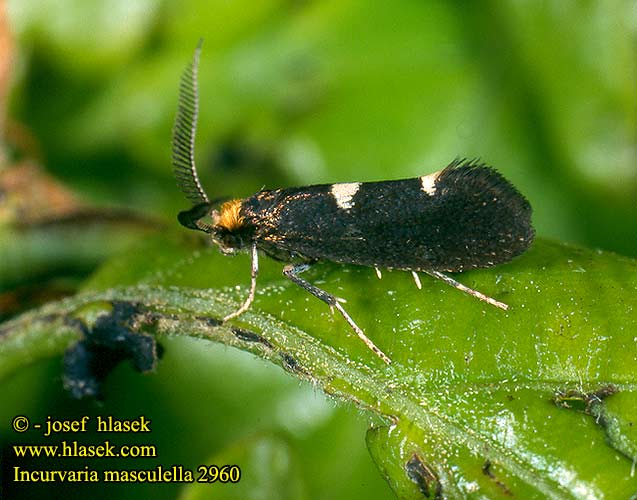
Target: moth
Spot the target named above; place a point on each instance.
(462, 217)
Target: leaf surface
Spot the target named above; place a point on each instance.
(536, 402)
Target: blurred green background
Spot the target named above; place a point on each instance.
(293, 93)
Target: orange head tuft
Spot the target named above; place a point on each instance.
(230, 217)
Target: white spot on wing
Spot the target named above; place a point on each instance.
(428, 183)
(343, 194)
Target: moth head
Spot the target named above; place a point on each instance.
(222, 221)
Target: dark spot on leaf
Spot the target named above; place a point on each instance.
(592, 403)
(487, 471)
(111, 340)
(249, 336)
(214, 322)
(588, 403)
(426, 479)
(605, 391)
(291, 364)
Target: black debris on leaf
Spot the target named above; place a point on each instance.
(111, 340)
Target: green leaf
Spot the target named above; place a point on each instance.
(268, 467)
(535, 402)
(37, 253)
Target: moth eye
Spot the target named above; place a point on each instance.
(228, 246)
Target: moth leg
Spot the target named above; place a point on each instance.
(253, 285)
(292, 271)
(466, 289)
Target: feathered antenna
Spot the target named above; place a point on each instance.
(184, 131)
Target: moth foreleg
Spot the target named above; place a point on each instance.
(466, 289)
(254, 271)
(292, 271)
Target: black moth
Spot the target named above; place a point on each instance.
(465, 216)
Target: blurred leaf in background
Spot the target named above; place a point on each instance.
(292, 93)
(305, 92)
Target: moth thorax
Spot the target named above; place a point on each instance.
(229, 216)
